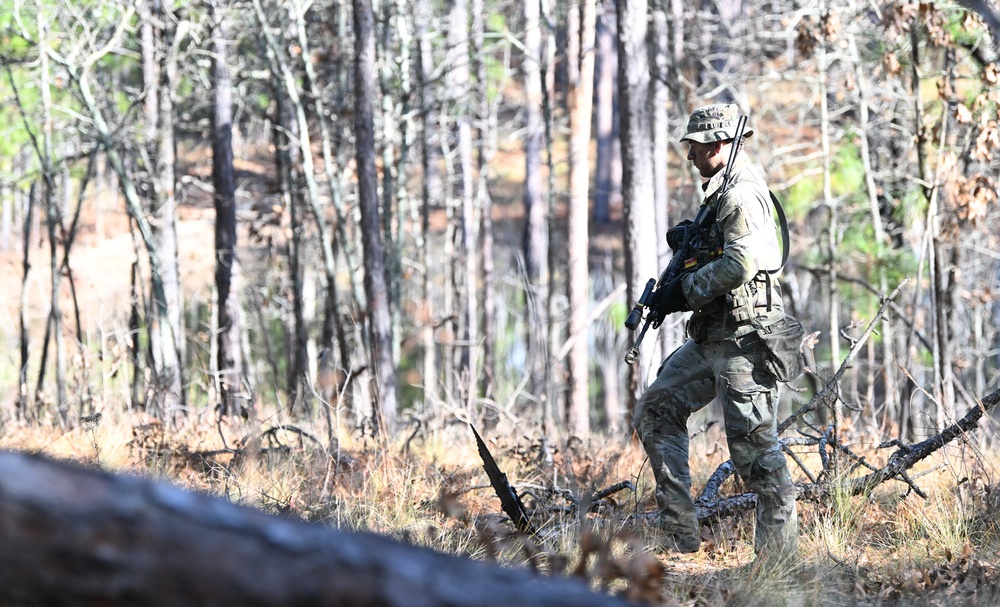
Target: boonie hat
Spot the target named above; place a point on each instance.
(716, 122)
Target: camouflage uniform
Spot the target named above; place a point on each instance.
(732, 296)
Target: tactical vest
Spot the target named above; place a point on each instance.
(751, 306)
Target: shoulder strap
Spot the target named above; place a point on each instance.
(783, 225)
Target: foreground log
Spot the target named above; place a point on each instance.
(73, 536)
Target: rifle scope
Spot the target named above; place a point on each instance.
(632, 322)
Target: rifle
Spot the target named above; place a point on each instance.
(678, 265)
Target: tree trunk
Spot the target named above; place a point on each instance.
(459, 87)
(330, 239)
(21, 406)
(166, 337)
(664, 70)
(833, 228)
(133, 199)
(301, 148)
(431, 194)
(393, 136)
(285, 132)
(535, 203)
(53, 221)
(229, 313)
(637, 175)
(607, 173)
(581, 57)
(376, 290)
(483, 201)
(552, 405)
(889, 362)
(727, 64)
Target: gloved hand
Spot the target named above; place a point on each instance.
(670, 298)
(675, 235)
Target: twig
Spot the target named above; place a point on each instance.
(903, 476)
(603, 493)
(273, 431)
(799, 462)
(823, 455)
(830, 390)
(904, 458)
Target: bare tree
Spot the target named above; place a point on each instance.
(580, 58)
(431, 194)
(483, 202)
(166, 331)
(229, 313)
(376, 289)
(458, 83)
(637, 174)
(607, 173)
(53, 220)
(535, 203)
(665, 74)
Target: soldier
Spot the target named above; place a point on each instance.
(734, 299)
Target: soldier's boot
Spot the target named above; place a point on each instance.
(682, 543)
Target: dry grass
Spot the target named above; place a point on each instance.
(889, 548)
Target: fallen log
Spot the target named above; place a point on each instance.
(76, 536)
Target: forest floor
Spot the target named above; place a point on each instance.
(429, 488)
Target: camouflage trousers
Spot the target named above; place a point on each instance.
(687, 381)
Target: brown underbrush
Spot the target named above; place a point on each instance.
(429, 488)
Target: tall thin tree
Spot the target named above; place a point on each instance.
(431, 195)
(458, 79)
(607, 173)
(637, 173)
(581, 59)
(376, 289)
(535, 203)
(165, 331)
(229, 314)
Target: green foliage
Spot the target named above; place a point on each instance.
(617, 313)
(911, 208)
(846, 182)
(848, 175)
(957, 23)
(801, 197)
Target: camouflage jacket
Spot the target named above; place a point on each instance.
(730, 290)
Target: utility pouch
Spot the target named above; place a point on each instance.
(782, 352)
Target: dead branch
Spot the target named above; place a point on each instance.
(74, 536)
(905, 456)
(603, 493)
(709, 505)
(271, 434)
(830, 391)
(709, 494)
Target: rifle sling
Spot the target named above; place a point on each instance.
(783, 225)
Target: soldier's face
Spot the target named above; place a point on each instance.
(706, 157)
